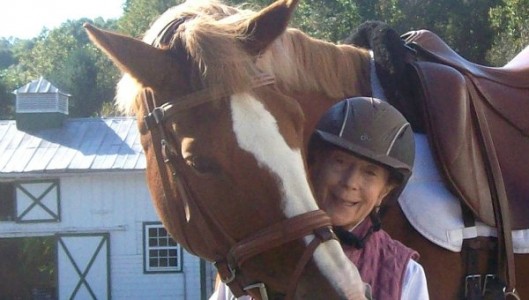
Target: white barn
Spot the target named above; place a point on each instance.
(81, 182)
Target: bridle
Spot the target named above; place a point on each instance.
(237, 252)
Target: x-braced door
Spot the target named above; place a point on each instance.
(83, 265)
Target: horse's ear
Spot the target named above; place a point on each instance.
(141, 60)
(268, 24)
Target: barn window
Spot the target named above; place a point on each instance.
(162, 253)
(7, 201)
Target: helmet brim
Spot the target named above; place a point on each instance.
(365, 153)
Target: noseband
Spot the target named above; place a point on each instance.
(170, 161)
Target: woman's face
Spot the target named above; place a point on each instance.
(348, 187)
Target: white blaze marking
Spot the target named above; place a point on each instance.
(257, 132)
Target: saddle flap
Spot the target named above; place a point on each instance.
(455, 138)
(512, 104)
(450, 131)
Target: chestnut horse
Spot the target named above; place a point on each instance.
(226, 100)
(224, 106)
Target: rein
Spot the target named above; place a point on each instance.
(316, 223)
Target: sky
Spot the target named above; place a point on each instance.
(26, 18)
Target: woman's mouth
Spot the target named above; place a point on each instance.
(344, 202)
(348, 203)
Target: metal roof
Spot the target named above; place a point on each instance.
(88, 144)
(40, 85)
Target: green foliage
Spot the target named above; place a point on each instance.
(26, 264)
(477, 29)
(66, 58)
(6, 54)
(511, 22)
(139, 15)
(331, 20)
(464, 25)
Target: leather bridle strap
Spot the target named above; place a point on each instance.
(161, 114)
(167, 159)
(320, 235)
(277, 235)
(316, 223)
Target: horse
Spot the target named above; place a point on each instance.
(227, 100)
(224, 110)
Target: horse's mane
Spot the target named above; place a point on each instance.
(210, 34)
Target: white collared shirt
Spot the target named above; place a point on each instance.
(414, 286)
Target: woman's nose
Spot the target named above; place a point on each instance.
(351, 178)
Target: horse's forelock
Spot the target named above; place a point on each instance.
(210, 35)
(220, 58)
(189, 10)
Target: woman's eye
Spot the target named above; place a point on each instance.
(371, 173)
(336, 161)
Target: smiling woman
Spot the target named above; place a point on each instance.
(360, 156)
(25, 19)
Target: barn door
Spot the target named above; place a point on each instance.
(83, 265)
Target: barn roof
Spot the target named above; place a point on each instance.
(80, 145)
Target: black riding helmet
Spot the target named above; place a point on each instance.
(372, 129)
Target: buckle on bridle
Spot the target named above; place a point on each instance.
(262, 289)
(224, 268)
(155, 117)
(158, 113)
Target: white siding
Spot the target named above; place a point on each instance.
(116, 203)
(129, 282)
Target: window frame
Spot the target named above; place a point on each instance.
(54, 187)
(147, 268)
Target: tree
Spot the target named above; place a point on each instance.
(66, 57)
(140, 14)
(70, 61)
(6, 54)
(511, 23)
(331, 20)
(464, 25)
(12, 75)
(26, 264)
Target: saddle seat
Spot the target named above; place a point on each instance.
(451, 89)
(514, 73)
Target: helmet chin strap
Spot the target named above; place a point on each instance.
(348, 238)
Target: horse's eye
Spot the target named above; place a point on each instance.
(201, 165)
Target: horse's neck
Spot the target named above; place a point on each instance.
(317, 74)
(301, 63)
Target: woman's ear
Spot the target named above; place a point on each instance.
(390, 186)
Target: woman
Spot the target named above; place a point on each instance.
(362, 153)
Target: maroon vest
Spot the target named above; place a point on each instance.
(382, 262)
